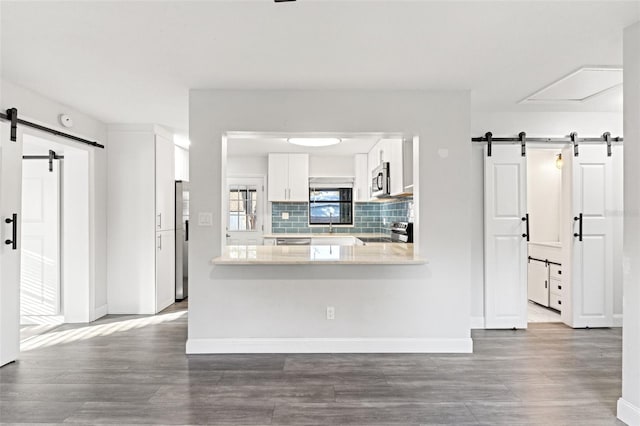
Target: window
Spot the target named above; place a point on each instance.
(242, 207)
(330, 205)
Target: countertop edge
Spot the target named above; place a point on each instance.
(245, 262)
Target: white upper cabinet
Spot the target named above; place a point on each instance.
(165, 183)
(288, 177)
(362, 177)
(399, 154)
(298, 177)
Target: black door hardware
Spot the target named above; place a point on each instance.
(526, 220)
(579, 233)
(13, 242)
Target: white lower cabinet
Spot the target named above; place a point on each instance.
(538, 282)
(165, 269)
(544, 276)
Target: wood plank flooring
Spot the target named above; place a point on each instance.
(132, 370)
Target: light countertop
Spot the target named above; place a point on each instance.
(327, 235)
(370, 254)
(546, 244)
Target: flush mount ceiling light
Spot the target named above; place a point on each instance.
(579, 86)
(314, 142)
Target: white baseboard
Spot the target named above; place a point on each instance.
(477, 322)
(328, 345)
(628, 413)
(100, 312)
(617, 320)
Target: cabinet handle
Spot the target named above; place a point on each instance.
(545, 283)
(159, 220)
(159, 242)
(13, 242)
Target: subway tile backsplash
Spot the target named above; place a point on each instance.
(369, 218)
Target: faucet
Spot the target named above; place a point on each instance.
(330, 223)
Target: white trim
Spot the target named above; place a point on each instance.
(328, 345)
(100, 311)
(617, 320)
(628, 413)
(477, 322)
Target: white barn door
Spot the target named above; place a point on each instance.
(592, 237)
(505, 238)
(10, 204)
(40, 264)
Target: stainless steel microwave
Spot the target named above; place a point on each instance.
(380, 185)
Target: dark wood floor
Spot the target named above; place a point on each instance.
(132, 370)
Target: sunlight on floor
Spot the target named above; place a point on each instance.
(90, 331)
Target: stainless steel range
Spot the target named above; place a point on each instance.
(401, 232)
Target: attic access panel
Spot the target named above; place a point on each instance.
(579, 86)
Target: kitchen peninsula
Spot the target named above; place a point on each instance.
(357, 254)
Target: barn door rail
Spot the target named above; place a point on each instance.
(522, 139)
(11, 115)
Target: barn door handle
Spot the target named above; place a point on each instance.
(13, 242)
(526, 220)
(579, 233)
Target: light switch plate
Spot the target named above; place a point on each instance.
(205, 219)
(285, 215)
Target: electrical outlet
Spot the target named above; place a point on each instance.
(285, 215)
(331, 313)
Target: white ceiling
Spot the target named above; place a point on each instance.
(134, 62)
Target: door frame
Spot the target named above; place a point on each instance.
(262, 203)
(565, 232)
(78, 212)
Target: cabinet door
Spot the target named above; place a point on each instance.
(278, 179)
(165, 269)
(362, 177)
(165, 184)
(538, 283)
(394, 149)
(299, 177)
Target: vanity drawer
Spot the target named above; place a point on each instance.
(555, 271)
(555, 301)
(556, 287)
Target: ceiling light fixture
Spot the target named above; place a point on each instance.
(314, 142)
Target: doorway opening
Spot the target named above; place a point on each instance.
(55, 234)
(544, 249)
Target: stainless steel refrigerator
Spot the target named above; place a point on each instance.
(182, 240)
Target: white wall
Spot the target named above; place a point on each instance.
(39, 109)
(331, 166)
(425, 306)
(534, 124)
(247, 166)
(544, 185)
(629, 404)
(182, 163)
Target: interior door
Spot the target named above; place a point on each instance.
(10, 210)
(40, 236)
(591, 236)
(246, 210)
(505, 238)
